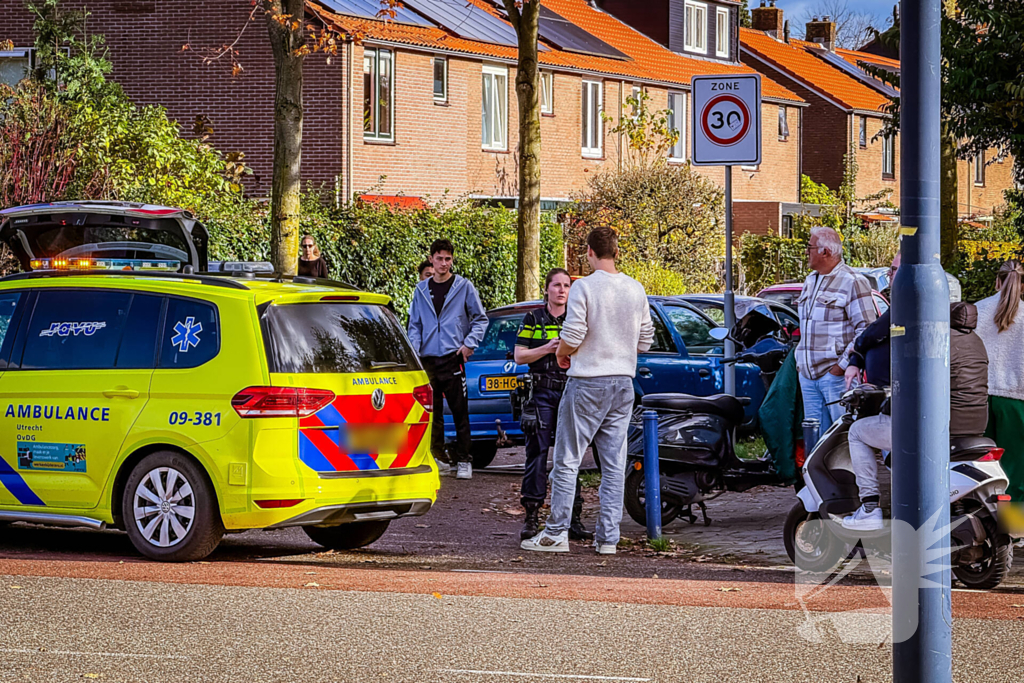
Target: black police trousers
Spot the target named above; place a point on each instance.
(448, 380)
(535, 478)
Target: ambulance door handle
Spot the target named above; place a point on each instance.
(121, 392)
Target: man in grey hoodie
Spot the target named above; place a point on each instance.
(447, 321)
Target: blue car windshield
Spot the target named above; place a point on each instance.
(500, 339)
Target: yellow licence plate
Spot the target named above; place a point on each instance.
(506, 383)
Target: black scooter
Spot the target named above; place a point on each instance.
(696, 437)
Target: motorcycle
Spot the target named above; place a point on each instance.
(696, 435)
(816, 539)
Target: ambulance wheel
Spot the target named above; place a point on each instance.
(483, 453)
(636, 503)
(170, 510)
(810, 544)
(347, 536)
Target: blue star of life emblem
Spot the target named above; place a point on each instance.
(186, 334)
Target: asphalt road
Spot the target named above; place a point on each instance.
(57, 629)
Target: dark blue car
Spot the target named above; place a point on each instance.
(684, 359)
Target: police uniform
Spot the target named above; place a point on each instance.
(539, 328)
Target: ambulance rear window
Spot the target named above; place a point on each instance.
(335, 338)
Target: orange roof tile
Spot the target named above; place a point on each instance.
(649, 61)
(794, 59)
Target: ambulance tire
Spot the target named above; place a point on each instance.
(206, 529)
(347, 536)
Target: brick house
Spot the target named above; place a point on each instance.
(432, 110)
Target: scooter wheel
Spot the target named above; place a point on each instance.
(992, 569)
(811, 545)
(635, 501)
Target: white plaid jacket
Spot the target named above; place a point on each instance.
(840, 309)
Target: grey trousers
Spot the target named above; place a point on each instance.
(867, 437)
(597, 410)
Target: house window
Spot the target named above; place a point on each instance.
(677, 123)
(593, 135)
(863, 138)
(378, 94)
(635, 107)
(979, 168)
(14, 66)
(889, 155)
(494, 119)
(786, 229)
(696, 15)
(783, 124)
(547, 92)
(722, 32)
(440, 79)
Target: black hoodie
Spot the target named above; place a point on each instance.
(968, 373)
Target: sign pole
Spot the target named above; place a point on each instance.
(921, 607)
(730, 300)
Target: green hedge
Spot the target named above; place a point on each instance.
(378, 248)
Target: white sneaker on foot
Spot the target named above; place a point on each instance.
(605, 548)
(443, 468)
(547, 544)
(864, 521)
(465, 471)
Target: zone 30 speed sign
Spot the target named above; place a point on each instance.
(726, 120)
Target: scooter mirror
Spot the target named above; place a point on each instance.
(719, 333)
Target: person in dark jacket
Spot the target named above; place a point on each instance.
(311, 263)
(968, 384)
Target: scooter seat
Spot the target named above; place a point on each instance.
(723, 405)
(967, 448)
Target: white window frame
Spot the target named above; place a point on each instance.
(547, 92)
(783, 122)
(695, 29)
(889, 156)
(18, 54)
(375, 53)
(722, 15)
(592, 106)
(979, 169)
(442, 98)
(677, 121)
(491, 139)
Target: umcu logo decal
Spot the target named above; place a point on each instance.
(377, 399)
(69, 329)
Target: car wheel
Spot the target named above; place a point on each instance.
(347, 536)
(483, 453)
(170, 510)
(636, 503)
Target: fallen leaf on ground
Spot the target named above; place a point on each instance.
(603, 564)
(655, 576)
(310, 573)
(426, 566)
(312, 584)
(518, 559)
(729, 590)
(1018, 606)
(541, 585)
(90, 675)
(16, 587)
(422, 526)
(437, 595)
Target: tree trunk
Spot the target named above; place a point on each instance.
(949, 224)
(285, 22)
(526, 23)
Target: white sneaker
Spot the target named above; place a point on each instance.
(443, 468)
(547, 544)
(864, 521)
(605, 548)
(465, 471)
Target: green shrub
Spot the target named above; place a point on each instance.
(767, 260)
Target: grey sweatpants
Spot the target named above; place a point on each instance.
(869, 436)
(593, 409)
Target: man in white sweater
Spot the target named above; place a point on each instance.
(607, 322)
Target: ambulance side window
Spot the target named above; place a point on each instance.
(138, 345)
(75, 329)
(191, 334)
(8, 306)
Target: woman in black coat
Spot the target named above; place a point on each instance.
(311, 263)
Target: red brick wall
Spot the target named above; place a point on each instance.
(760, 218)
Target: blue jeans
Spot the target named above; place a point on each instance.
(593, 410)
(819, 392)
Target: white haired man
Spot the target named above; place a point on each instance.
(835, 306)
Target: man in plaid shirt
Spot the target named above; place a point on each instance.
(835, 306)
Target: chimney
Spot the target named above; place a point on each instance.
(822, 32)
(768, 19)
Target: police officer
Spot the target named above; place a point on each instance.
(536, 346)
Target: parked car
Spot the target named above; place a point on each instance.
(787, 293)
(684, 358)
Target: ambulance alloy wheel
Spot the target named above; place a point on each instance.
(170, 511)
(347, 536)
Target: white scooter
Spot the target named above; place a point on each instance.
(814, 535)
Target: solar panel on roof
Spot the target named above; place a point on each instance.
(571, 38)
(856, 72)
(466, 20)
(369, 9)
